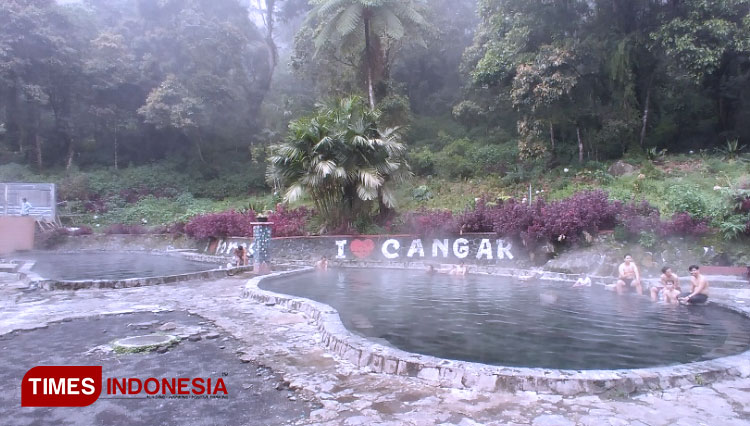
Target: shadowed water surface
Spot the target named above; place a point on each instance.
(495, 320)
(110, 265)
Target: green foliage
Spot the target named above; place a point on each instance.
(14, 172)
(422, 193)
(686, 198)
(422, 161)
(732, 150)
(654, 153)
(647, 239)
(733, 226)
(342, 160)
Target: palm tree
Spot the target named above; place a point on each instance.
(341, 160)
(377, 26)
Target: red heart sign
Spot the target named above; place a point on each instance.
(362, 248)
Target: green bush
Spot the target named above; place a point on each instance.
(13, 172)
(422, 161)
(686, 198)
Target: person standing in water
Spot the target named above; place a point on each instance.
(629, 276)
(698, 288)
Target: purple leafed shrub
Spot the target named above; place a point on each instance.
(224, 224)
(684, 224)
(640, 217)
(289, 222)
(479, 219)
(512, 218)
(120, 228)
(425, 222)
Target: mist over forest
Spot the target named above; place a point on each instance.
(128, 82)
(134, 107)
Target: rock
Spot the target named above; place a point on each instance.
(142, 325)
(271, 301)
(194, 337)
(168, 326)
(620, 168)
(212, 335)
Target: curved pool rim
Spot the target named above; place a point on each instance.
(378, 358)
(35, 280)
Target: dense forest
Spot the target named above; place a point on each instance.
(128, 82)
(174, 99)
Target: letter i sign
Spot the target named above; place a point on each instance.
(61, 386)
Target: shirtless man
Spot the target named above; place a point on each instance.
(671, 294)
(667, 276)
(698, 288)
(629, 275)
(322, 264)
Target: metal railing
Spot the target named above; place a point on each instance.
(41, 196)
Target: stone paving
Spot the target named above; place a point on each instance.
(290, 344)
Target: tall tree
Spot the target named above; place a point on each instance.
(372, 30)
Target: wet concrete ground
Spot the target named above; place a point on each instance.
(253, 397)
(289, 344)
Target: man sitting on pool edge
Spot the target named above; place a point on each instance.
(698, 288)
(629, 276)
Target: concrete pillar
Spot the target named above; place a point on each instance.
(262, 245)
(16, 233)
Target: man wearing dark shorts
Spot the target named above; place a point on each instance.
(698, 289)
(628, 276)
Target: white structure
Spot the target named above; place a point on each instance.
(42, 197)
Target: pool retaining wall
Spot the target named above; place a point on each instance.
(378, 358)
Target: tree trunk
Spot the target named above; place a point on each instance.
(271, 46)
(38, 148)
(116, 165)
(71, 154)
(368, 63)
(552, 136)
(198, 146)
(580, 145)
(645, 115)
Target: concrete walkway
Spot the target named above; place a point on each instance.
(288, 343)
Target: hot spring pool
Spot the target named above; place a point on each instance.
(98, 265)
(498, 321)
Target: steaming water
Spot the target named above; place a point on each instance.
(499, 321)
(110, 265)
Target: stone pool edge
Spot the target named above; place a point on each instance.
(377, 358)
(34, 280)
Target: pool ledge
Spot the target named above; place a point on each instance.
(371, 356)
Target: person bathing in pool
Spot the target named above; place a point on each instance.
(629, 276)
(698, 288)
(667, 276)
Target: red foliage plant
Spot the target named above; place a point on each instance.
(427, 223)
(289, 222)
(221, 225)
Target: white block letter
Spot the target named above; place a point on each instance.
(504, 251)
(341, 244)
(386, 253)
(485, 249)
(442, 245)
(460, 248)
(416, 247)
